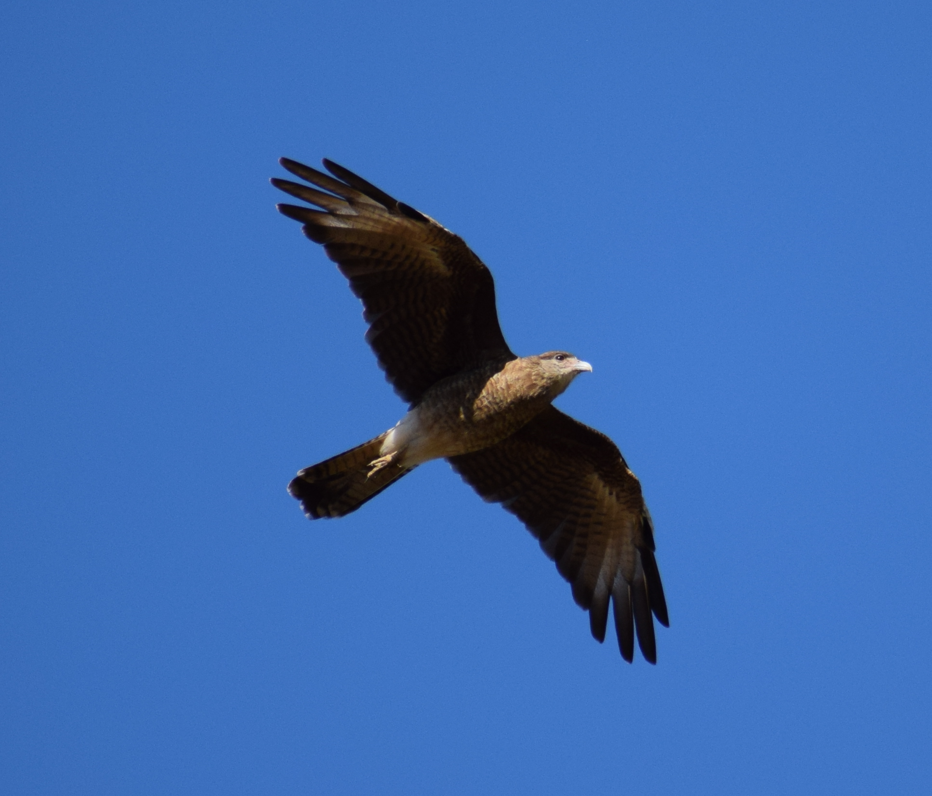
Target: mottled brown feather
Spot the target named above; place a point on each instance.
(429, 301)
(342, 483)
(571, 487)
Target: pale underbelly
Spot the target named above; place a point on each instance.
(419, 438)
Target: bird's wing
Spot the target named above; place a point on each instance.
(570, 486)
(428, 300)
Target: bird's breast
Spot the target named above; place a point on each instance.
(465, 413)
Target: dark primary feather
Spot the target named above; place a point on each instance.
(428, 300)
(571, 487)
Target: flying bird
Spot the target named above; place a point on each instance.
(429, 302)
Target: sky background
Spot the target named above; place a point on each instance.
(725, 207)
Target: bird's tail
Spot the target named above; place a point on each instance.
(339, 485)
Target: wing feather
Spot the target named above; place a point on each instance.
(428, 299)
(571, 487)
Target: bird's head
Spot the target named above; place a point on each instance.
(561, 368)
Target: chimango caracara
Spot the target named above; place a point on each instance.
(430, 305)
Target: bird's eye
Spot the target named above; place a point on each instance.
(560, 357)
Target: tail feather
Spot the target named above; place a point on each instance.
(341, 484)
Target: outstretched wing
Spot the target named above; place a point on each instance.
(428, 300)
(570, 486)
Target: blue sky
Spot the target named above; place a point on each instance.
(724, 207)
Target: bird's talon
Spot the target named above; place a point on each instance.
(378, 464)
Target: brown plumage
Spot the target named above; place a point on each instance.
(430, 305)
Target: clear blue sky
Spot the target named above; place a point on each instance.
(725, 207)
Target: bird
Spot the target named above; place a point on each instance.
(429, 303)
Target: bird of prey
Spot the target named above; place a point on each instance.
(430, 306)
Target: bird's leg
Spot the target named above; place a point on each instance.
(383, 461)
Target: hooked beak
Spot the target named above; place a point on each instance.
(583, 366)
